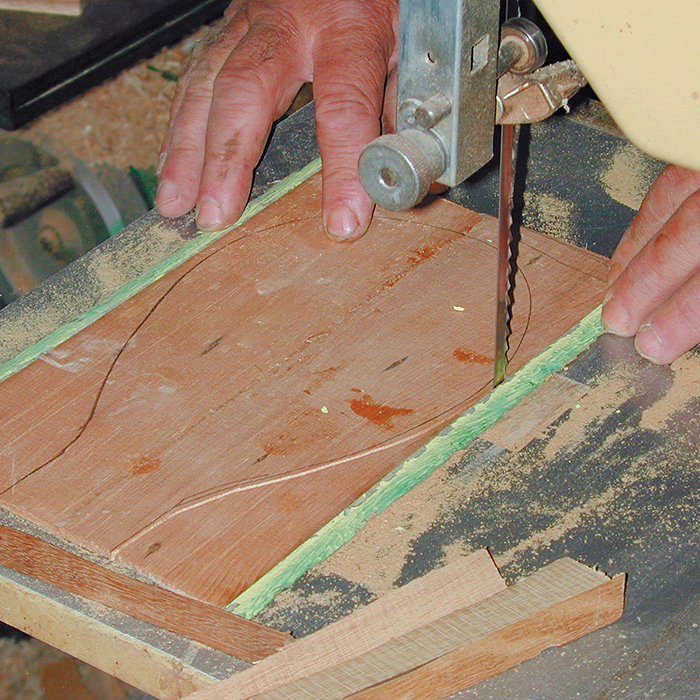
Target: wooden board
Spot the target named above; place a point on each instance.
(398, 612)
(435, 659)
(53, 7)
(192, 619)
(208, 426)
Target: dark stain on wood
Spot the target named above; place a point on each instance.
(153, 549)
(144, 465)
(471, 357)
(377, 413)
(212, 345)
(325, 373)
(425, 253)
(396, 364)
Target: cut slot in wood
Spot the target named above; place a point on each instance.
(535, 412)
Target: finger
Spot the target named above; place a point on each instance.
(350, 69)
(182, 154)
(674, 328)
(254, 87)
(669, 191)
(233, 9)
(666, 262)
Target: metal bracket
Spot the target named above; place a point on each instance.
(449, 48)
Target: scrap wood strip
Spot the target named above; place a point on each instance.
(72, 8)
(487, 634)
(419, 466)
(193, 619)
(200, 240)
(466, 581)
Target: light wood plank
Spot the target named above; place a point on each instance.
(555, 605)
(190, 618)
(423, 601)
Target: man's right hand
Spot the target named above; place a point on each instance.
(246, 74)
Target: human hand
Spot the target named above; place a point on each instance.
(245, 75)
(655, 272)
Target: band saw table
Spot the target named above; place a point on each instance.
(600, 464)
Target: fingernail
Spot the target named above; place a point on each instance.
(615, 318)
(209, 215)
(648, 343)
(341, 223)
(167, 192)
(161, 163)
(437, 188)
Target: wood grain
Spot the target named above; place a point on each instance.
(497, 652)
(420, 602)
(54, 7)
(557, 604)
(207, 427)
(192, 619)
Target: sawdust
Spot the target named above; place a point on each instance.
(123, 121)
(601, 400)
(376, 556)
(568, 520)
(628, 175)
(686, 385)
(551, 214)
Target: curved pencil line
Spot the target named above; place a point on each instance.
(137, 328)
(409, 436)
(414, 433)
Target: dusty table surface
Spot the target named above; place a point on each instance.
(612, 482)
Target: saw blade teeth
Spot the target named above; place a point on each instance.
(506, 257)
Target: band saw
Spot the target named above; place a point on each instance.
(583, 486)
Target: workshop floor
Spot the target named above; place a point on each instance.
(31, 670)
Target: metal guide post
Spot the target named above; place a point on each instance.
(450, 49)
(448, 70)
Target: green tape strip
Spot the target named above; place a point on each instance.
(126, 291)
(418, 467)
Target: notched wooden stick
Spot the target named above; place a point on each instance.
(494, 629)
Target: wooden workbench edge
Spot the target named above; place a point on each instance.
(193, 619)
(98, 643)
